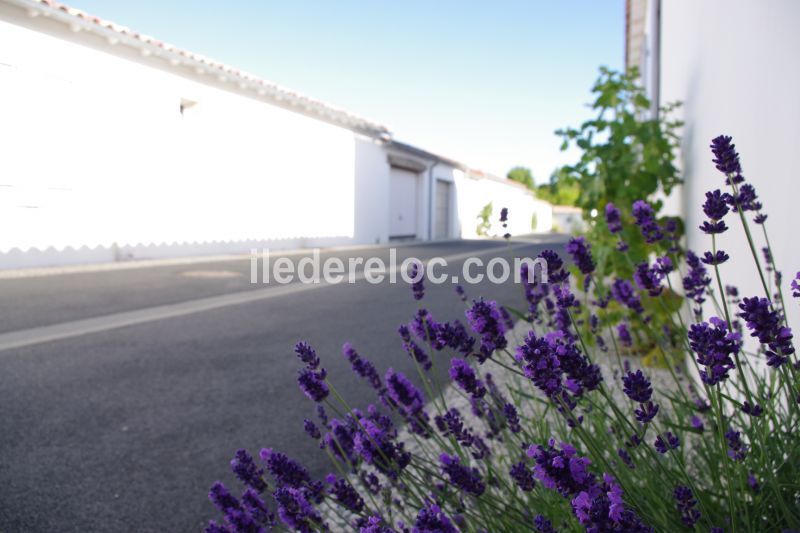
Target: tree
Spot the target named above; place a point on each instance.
(521, 175)
(560, 191)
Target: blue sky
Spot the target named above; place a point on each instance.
(486, 83)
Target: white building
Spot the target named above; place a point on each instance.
(117, 146)
(734, 65)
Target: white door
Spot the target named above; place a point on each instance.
(403, 203)
(442, 227)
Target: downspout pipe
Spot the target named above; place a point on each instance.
(656, 60)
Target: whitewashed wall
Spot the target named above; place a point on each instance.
(95, 152)
(371, 192)
(734, 64)
(473, 194)
(98, 163)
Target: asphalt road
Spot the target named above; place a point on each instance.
(125, 427)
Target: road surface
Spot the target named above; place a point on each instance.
(125, 393)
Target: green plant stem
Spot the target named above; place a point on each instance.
(746, 227)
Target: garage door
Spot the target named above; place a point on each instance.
(442, 210)
(403, 203)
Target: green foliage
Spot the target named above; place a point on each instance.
(559, 192)
(626, 155)
(484, 218)
(521, 175)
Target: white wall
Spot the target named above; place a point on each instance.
(734, 64)
(96, 152)
(371, 192)
(99, 164)
(473, 194)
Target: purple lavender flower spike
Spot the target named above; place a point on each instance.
(736, 448)
(311, 429)
(672, 229)
(725, 157)
(624, 335)
(624, 293)
(465, 478)
(523, 476)
(716, 258)
(664, 265)
(222, 498)
(686, 505)
(697, 280)
(715, 208)
(601, 508)
(579, 249)
(454, 335)
(461, 293)
(464, 376)
(238, 517)
(646, 412)
(648, 279)
(405, 395)
(307, 355)
(745, 199)
(214, 527)
(614, 494)
(416, 272)
(796, 286)
(285, 470)
(613, 218)
(666, 442)
(486, 320)
(362, 367)
(246, 470)
(715, 345)
(508, 321)
(373, 524)
(340, 440)
(344, 493)
(626, 458)
(541, 364)
(543, 525)
(562, 470)
(765, 324)
(295, 510)
(752, 482)
(504, 215)
(644, 216)
(637, 387)
(555, 266)
(751, 409)
(313, 384)
(512, 418)
(431, 519)
(418, 354)
(257, 508)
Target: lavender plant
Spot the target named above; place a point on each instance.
(541, 430)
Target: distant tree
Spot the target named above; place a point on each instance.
(562, 189)
(521, 175)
